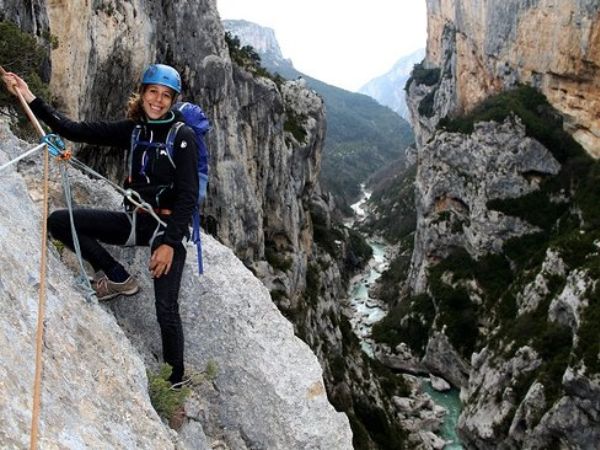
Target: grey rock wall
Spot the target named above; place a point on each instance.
(545, 43)
(94, 388)
(457, 175)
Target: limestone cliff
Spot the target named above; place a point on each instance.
(551, 44)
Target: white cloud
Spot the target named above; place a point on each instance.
(344, 43)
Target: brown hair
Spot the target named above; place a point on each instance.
(135, 111)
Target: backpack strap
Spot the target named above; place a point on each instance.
(170, 141)
(196, 237)
(135, 139)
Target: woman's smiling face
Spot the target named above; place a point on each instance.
(157, 100)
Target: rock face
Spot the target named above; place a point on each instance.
(94, 385)
(457, 175)
(553, 45)
(269, 383)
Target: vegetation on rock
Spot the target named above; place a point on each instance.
(247, 58)
(22, 54)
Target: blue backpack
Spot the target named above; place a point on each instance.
(194, 118)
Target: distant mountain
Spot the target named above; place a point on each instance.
(388, 89)
(362, 136)
(262, 39)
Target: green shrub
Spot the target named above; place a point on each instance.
(540, 120)
(494, 275)
(247, 58)
(586, 198)
(313, 284)
(383, 430)
(528, 250)
(393, 384)
(276, 260)
(588, 345)
(277, 295)
(360, 435)
(409, 322)
(575, 247)
(211, 371)
(460, 316)
(426, 105)
(456, 310)
(293, 124)
(420, 75)
(554, 346)
(52, 39)
(20, 53)
(337, 366)
(244, 56)
(535, 208)
(165, 399)
(60, 247)
(507, 309)
(359, 246)
(389, 282)
(393, 199)
(327, 237)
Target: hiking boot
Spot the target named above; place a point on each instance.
(106, 289)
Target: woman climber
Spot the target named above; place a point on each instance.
(169, 183)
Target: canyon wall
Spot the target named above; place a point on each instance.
(551, 44)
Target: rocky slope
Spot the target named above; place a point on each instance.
(94, 381)
(502, 292)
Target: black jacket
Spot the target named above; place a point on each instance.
(180, 193)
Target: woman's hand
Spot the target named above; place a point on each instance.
(161, 260)
(15, 83)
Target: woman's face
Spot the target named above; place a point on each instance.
(157, 100)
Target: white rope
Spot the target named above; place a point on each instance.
(23, 155)
(129, 194)
(84, 282)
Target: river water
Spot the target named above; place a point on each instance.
(366, 311)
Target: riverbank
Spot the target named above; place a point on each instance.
(364, 311)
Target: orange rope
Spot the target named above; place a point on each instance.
(39, 339)
(37, 383)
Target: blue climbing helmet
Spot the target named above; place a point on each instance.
(163, 75)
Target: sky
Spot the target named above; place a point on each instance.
(341, 42)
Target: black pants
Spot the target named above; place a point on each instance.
(112, 227)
